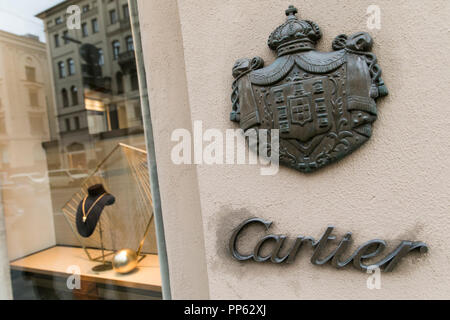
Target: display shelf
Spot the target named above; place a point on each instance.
(58, 260)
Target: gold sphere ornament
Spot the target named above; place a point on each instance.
(125, 261)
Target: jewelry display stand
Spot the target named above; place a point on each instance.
(105, 265)
(141, 217)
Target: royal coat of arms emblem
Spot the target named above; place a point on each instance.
(322, 103)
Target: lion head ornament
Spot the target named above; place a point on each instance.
(322, 103)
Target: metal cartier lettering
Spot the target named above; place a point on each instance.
(335, 262)
(364, 252)
(321, 245)
(238, 230)
(256, 253)
(296, 247)
(368, 250)
(276, 251)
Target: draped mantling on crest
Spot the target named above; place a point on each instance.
(311, 61)
(350, 111)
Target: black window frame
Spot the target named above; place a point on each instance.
(126, 11)
(74, 95)
(116, 48)
(68, 124)
(95, 26)
(62, 70)
(56, 40)
(65, 35)
(128, 41)
(65, 98)
(113, 16)
(71, 67)
(84, 30)
(101, 57)
(77, 123)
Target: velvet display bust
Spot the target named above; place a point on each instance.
(90, 209)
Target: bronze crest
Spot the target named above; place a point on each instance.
(323, 103)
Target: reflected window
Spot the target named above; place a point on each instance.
(65, 35)
(71, 66)
(119, 80)
(101, 57)
(34, 98)
(94, 25)
(84, 30)
(58, 20)
(77, 123)
(65, 98)
(56, 37)
(126, 12)
(30, 74)
(67, 122)
(76, 159)
(129, 42)
(113, 117)
(134, 81)
(116, 49)
(86, 8)
(113, 16)
(74, 94)
(61, 69)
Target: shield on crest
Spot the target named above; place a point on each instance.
(322, 103)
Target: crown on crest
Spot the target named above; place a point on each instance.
(294, 34)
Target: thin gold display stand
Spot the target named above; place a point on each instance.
(105, 265)
(141, 244)
(143, 213)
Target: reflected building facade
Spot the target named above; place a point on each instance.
(71, 118)
(95, 100)
(26, 102)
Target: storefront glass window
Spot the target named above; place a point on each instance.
(75, 194)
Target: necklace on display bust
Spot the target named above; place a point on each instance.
(85, 215)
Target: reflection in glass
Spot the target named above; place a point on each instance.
(65, 98)
(84, 29)
(74, 94)
(61, 69)
(116, 49)
(71, 65)
(129, 42)
(95, 26)
(63, 107)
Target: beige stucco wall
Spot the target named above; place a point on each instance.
(396, 187)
